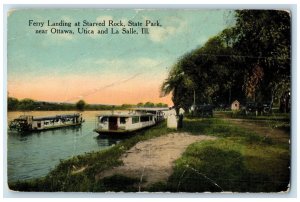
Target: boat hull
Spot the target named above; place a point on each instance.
(120, 132)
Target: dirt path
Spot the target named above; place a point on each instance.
(152, 160)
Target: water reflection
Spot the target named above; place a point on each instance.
(107, 140)
(65, 130)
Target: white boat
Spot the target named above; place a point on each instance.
(31, 123)
(161, 113)
(123, 122)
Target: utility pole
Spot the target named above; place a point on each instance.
(229, 100)
(194, 98)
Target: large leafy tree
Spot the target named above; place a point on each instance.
(263, 39)
(248, 61)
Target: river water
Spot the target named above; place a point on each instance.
(35, 154)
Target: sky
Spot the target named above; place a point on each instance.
(102, 68)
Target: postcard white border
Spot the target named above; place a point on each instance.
(293, 192)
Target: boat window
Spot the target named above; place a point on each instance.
(122, 120)
(135, 119)
(144, 118)
(103, 119)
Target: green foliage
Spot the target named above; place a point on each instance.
(264, 36)
(117, 183)
(181, 87)
(149, 104)
(250, 60)
(161, 105)
(221, 128)
(12, 104)
(215, 166)
(127, 106)
(239, 161)
(80, 105)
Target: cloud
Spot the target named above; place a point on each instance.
(171, 26)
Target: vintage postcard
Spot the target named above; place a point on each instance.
(149, 100)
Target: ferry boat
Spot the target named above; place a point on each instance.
(123, 122)
(31, 123)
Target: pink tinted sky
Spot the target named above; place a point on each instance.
(112, 90)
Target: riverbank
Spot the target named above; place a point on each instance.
(238, 160)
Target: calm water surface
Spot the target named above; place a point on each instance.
(35, 154)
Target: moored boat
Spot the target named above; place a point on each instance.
(123, 122)
(160, 113)
(31, 123)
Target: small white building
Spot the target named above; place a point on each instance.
(235, 105)
(172, 121)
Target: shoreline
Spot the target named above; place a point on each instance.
(231, 149)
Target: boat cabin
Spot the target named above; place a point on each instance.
(40, 123)
(31, 123)
(159, 113)
(122, 123)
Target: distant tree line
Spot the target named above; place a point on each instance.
(249, 61)
(13, 104)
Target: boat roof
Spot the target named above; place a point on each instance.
(130, 114)
(55, 117)
(151, 108)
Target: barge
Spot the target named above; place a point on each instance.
(31, 123)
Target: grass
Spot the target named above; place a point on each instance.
(273, 116)
(223, 129)
(239, 160)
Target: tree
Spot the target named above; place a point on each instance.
(161, 105)
(140, 104)
(149, 104)
(80, 105)
(27, 104)
(263, 38)
(12, 103)
(250, 60)
(180, 85)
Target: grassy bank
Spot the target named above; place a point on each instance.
(239, 160)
